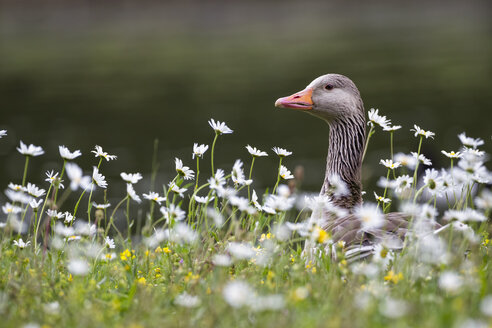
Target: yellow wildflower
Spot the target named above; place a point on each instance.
(142, 281)
(392, 277)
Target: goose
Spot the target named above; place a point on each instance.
(335, 99)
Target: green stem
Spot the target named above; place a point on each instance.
(40, 217)
(61, 176)
(25, 171)
(249, 177)
(278, 176)
(371, 132)
(197, 172)
(212, 153)
(417, 165)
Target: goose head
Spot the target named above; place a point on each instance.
(330, 97)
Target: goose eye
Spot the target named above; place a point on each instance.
(329, 87)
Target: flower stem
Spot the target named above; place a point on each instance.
(25, 171)
(371, 132)
(212, 153)
(249, 177)
(418, 162)
(278, 176)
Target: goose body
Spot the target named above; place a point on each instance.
(335, 99)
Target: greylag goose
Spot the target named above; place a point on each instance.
(335, 99)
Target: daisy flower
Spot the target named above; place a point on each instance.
(381, 198)
(254, 200)
(30, 150)
(109, 242)
(11, 209)
(100, 153)
(281, 152)
(34, 191)
(451, 154)
(131, 192)
(237, 174)
(403, 182)
(77, 179)
(199, 150)
(53, 179)
(55, 214)
(176, 189)
(21, 244)
(69, 218)
(337, 186)
(255, 152)
(421, 132)
(391, 128)
(390, 164)
(67, 155)
(219, 127)
(131, 177)
(433, 182)
(421, 158)
(469, 142)
(153, 196)
(173, 212)
(35, 203)
(186, 300)
(16, 187)
(98, 178)
(101, 206)
(203, 200)
(285, 173)
(3, 133)
(376, 119)
(406, 160)
(218, 181)
(184, 171)
(370, 216)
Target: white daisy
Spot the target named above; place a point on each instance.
(30, 150)
(403, 183)
(285, 173)
(421, 158)
(406, 160)
(76, 176)
(153, 196)
(109, 242)
(451, 154)
(53, 179)
(376, 119)
(11, 209)
(465, 215)
(484, 200)
(34, 191)
(470, 142)
(218, 181)
(66, 154)
(184, 171)
(219, 127)
(421, 132)
(176, 189)
(16, 187)
(35, 203)
(100, 153)
(173, 212)
(381, 198)
(238, 293)
(390, 164)
(255, 152)
(21, 244)
(370, 216)
(203, 200)
(3, 133)
(199, 150)
(78, 267)
(281, 152)
(55, 214)
(98, 178)
(131, 177)
(131, 192)
(337, 186)
(69, 218)
(241, 251)
(392, 128)
(186, 300)
(101, 206)
(450, 281)
(237, 174)
(254, 200)
(433, 182)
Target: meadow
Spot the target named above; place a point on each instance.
(207, 249)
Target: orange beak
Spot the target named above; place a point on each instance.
(300, 100)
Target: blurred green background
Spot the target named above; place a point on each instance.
(121, 74)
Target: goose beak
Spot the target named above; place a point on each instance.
(300, 100)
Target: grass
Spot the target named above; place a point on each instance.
(227, 261)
